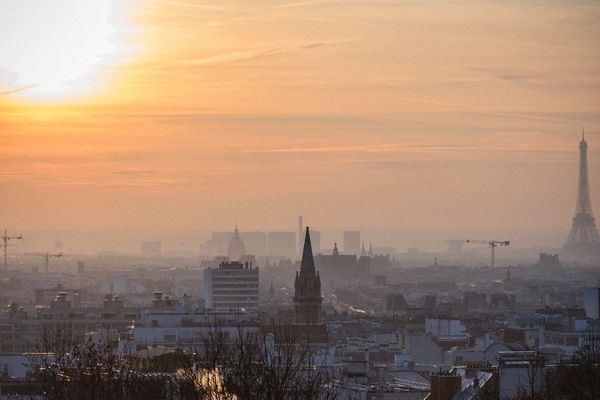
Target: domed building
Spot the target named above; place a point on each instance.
(236, 248)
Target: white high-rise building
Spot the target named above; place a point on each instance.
(232, 286)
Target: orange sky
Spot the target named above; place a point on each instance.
(162, 114)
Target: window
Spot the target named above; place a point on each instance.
(170, 338)
(572, 341)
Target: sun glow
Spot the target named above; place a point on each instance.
(56, 49)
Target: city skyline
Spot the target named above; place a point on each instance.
(402, 115)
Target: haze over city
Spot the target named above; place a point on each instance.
(299, 200)
(168, 115)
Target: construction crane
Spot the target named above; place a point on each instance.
(46, 257)
(493, 244)
(5, 239)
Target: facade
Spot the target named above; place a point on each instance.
(591, 302)
(231, 286)
(583, 242)
(337, 267)
(20, 331)
(352, 242)
(173, 324)
(307, 294)
(444, 327)
(520, 371)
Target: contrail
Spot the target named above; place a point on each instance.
(17, 90)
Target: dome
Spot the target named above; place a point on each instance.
(236, 248)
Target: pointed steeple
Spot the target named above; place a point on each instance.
(370, 249)
(307, 265)
(362, 250)
(307, 287)
(335, 250)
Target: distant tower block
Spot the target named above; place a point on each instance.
(583, 243)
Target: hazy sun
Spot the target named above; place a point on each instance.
(54, 49)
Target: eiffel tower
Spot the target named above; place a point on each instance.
(583, 242)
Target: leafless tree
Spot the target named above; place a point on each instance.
(247, 365)
(68, 369)
(255, 365)
(578, 377)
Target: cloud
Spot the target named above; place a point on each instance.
(292, 4)
(370, 148)
(512, 75)
(191, 5)
(232, 56)
(132, 172)
(244, 55)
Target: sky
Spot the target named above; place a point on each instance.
(162, 115)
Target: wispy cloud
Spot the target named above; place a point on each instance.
(132, 172)
(17, 90)
(188, 4)
(244, 55)
(232, 56)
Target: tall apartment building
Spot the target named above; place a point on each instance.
(233, 285)
(315, 238)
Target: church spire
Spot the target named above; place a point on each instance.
(307, 265)
(362, 250)
(336, 252)
(370, 249)
(307, 288)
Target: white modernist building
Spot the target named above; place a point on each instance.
(232, 286)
